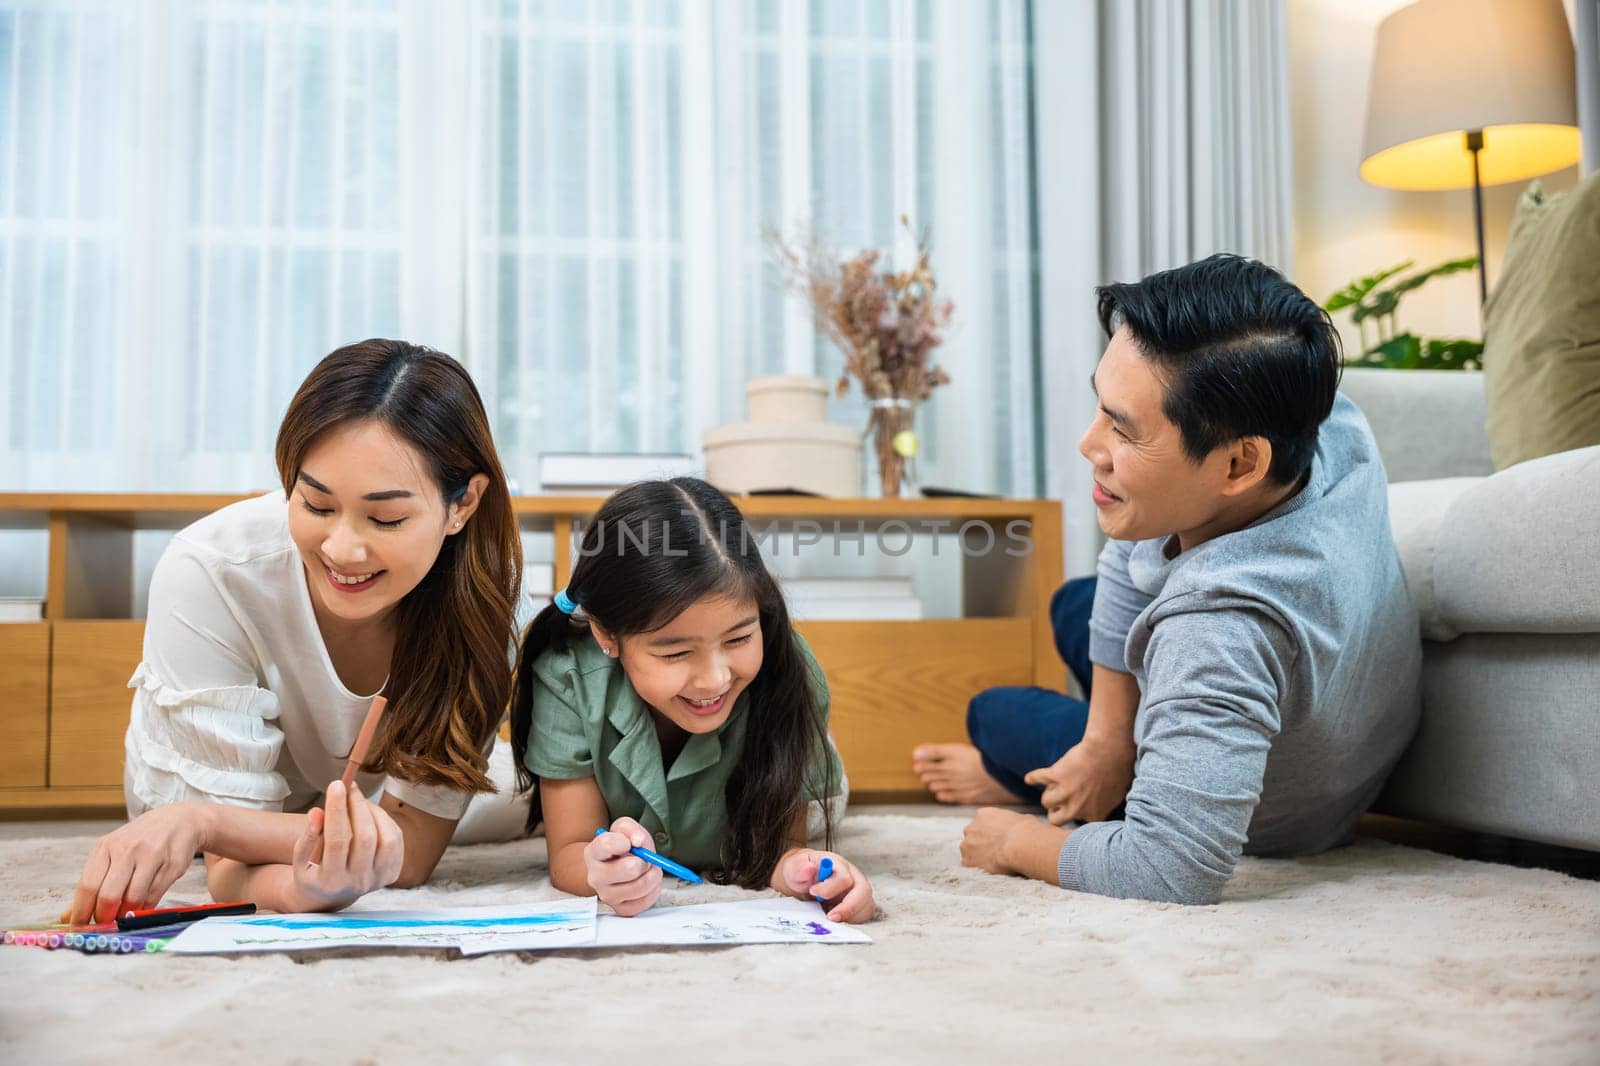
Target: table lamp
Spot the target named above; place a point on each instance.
(1468, 93)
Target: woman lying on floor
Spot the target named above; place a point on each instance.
(390, 563)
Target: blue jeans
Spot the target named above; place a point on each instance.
(1019, 728)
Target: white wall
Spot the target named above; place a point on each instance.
(1344, 227)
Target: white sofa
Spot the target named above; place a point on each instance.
(1505, 571)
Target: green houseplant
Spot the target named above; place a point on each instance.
(1374, 315)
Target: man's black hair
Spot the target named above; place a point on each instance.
(1241, 352)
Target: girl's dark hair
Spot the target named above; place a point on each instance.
(448, 683)
(652, 551)
(1242, 353)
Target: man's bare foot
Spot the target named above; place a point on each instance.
(954, 773)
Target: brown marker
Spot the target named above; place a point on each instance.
(358, 754)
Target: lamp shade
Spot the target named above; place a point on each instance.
(1443, 68)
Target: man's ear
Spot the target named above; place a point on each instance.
(1249, 461)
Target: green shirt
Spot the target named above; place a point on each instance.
(589, 722)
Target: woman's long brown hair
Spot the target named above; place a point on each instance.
(449, 680)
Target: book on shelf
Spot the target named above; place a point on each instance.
(864, 588)
(539, 579)
(852, 599)
(21, 609)
(598, 473)
(867, 610)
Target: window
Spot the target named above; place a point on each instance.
(199, 202)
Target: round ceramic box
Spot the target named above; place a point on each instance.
(755, 457)
(792, 400)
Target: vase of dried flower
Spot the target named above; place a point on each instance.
(887, 324)
(889, 426)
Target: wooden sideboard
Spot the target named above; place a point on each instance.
(63, 681)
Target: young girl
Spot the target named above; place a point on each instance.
(666, 696)
(390, 563)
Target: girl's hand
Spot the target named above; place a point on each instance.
(625, 883)
(847, 894)
(132, 867)
(361, 850)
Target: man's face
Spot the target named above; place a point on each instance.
(1145, 486)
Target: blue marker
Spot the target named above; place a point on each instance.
(682, 873)
(824, 871)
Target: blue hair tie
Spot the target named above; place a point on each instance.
(564, 603)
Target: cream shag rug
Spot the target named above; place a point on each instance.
(1372, 953)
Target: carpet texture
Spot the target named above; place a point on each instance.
(1372, 953)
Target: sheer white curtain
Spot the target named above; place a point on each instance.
(1163, 136)
(628, 156)
(199, 200)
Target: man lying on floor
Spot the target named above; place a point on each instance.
(1249, 652)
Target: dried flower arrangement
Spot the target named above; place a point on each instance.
(885, 323)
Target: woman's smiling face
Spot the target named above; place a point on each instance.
(692, 670)
(368, 520)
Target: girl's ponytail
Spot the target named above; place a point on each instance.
(550, 628)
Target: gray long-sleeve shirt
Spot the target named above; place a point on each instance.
(1279, 670)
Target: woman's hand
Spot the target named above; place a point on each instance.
(1087, 783)
(625, 883)
(131, 868)
(362, 850)
(847, 894)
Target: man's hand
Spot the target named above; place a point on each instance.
(1088, 782)
(1006, 842)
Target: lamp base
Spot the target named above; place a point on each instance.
(1475, 145)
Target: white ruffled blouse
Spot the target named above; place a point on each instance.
(236, 700)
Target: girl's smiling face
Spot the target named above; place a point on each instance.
(693, 669)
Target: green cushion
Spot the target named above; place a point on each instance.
(1541, 354)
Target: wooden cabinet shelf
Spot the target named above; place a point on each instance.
(63, 681)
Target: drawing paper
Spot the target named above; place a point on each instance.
(474, 930)
(756, 921)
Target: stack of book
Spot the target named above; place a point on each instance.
(538, 584)
(21, 609)
(598, 474)
(856, 599)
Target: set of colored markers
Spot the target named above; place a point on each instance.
(136, 931)
(153, 930)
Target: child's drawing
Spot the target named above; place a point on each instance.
(711, 932)
(756, 921)
(794, 926)
(475, 930)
